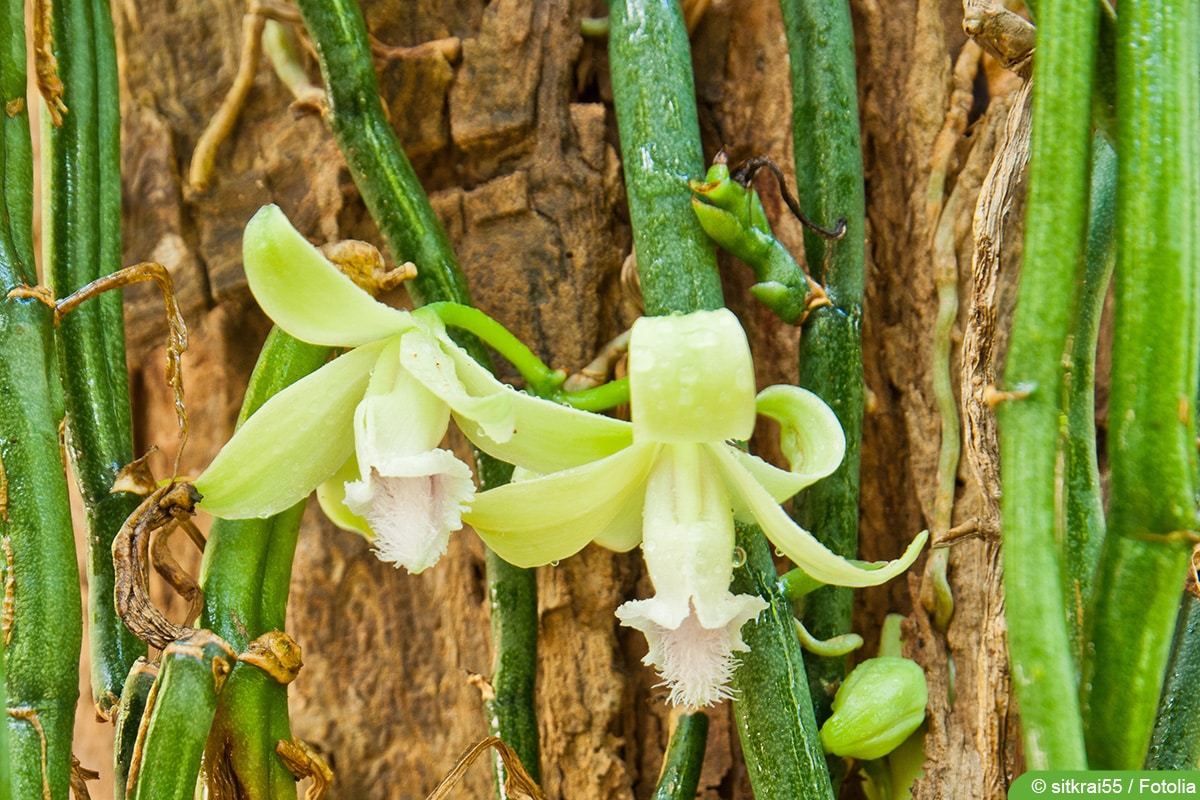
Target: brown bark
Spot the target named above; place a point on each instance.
(516, 144)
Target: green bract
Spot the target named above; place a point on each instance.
(365, 427)
(877, 707)
(676, 489)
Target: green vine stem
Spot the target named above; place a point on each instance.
(128, 720)
(1085, 503)
(680, 774)
(655, 101)
(401, 208)
(245, 576)
(772, 707)
(1175, 741)
(91, 339)
(177, 718)
(42, 638)
(1152, 431)
(829, 182)
(1055, 229)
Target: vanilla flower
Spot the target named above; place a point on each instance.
(676, 489)
(364, 429)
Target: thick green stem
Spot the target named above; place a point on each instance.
(128, 721)
(660, 146)
(41, 641)
(772, 708)
(1152, 431)
(245, 575)
(401, 208)
(91, 339)
(1085, 501)
(680, 774)
(829, 183)
(1175, 741)
(177, 718)
(655, 101)
(1030, 427)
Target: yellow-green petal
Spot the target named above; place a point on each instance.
(296, 440)
(546, 519)
(691, 378)
(331, 494)
(809, 432)
(798, 544)
(434, 361)
(303, 293)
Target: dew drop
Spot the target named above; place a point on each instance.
(739, 557)
(554, 563)
(779, 552)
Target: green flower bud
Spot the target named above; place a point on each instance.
(877, 707)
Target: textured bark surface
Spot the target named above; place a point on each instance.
(516, 143)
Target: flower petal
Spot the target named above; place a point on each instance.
(810, 434)
(552, 437)
(295, 441)
(413, 504)
(331, 494)
(435, 361)
(548, 437)
(691, 378)
(304, 293)
(695, 662)
(798, 544)
(545, 519)
(688, 535)
(398, 416)
(779, 483)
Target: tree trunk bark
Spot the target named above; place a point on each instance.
(515, 141)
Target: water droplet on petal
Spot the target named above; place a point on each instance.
(554, 563)
(739, 557)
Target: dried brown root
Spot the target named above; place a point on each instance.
(165, 507)
(45, 65)
(362, 263)
(80, 775)
(166, 565)
(177, 337)
(305, 762)
(517, 783)
(276, 654)
(601, 368)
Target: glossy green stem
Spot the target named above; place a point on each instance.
(128, 721)
(38, 568)
(772, 708)
(1175, 741)
(178, 715)
(245, 576)
(1085, 501)
(401, 208)
(1152, 431)
(1044, 675)
(829, 184)
(655, 101)
(680, 774)
(91, 339)
(654, 96)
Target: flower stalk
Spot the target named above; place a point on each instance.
(829, 181)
